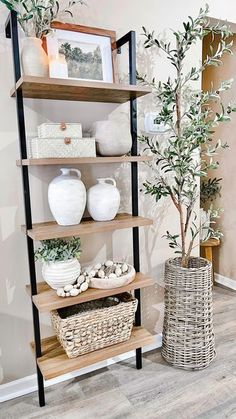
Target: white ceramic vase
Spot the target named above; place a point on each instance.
(67, 197)
(112, 139)
(103, 200)
(60, 274)
(33, 58)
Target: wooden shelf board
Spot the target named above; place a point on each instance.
(82, 160)
(50, 230)
(77, 90)
(54, 361)
(47, 299)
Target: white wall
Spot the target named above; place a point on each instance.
(16, 322)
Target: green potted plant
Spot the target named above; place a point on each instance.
(60, 261)
(35, 17)
(209, 191)
(185, 155)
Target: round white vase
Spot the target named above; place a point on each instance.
(67, 197)
(60, 274)
(112, 139)
(33, 58)
(103, 200)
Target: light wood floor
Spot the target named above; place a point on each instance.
(157, 391)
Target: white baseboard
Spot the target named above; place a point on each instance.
(226, 282)
(28, 384)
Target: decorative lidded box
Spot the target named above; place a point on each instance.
(61, 140)
(63, 130)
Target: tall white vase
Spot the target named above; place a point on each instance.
(33, 58)
(67, 197)
(112, 139)
(61, 273)
(103, 200)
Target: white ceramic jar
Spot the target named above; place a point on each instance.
(33, 58)
(103, 200)
(60, 274)
(112, 139)
(67, 197)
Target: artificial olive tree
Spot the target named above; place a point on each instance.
(190, 123)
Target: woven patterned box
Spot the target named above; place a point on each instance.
(95, 324)
(63, 130)
(39, 148)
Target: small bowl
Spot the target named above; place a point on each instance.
(118, 282)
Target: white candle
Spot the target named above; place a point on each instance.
(58, 67)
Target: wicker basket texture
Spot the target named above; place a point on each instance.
(89, 330)
(188, 336)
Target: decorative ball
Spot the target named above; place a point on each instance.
(60, 292)
(101, 273)
(84, 287)
(109, 263)
(74, 292)
(68, 288)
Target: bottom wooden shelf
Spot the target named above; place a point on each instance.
(54, 361)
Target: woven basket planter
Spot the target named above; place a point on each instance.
(188, 337)
(95, 325)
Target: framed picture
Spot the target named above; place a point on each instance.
(89, 52)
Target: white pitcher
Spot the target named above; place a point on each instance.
(103, 200)
(67, 197)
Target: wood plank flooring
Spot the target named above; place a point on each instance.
(157, 391)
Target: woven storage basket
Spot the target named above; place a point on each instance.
(52, 130)
(59, 147)
(95, 328)
(188, 337)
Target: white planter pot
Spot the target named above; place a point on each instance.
(59, 274)
(103, 200)
(67, 197)
(33, 58)
(112, 139)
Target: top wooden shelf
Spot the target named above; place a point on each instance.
(77, 90)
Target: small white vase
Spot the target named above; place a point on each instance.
(33, 58)
(112, 139)
(103, 200)
(67, 197)
(60, 274)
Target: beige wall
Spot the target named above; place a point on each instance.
(225, 263)
(16, 322)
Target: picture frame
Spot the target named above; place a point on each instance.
(90, 53)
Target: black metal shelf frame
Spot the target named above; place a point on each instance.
(11, 30)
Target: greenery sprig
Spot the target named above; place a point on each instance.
(210, 189)
(35, 16)
(190, 122)
(57, 250)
